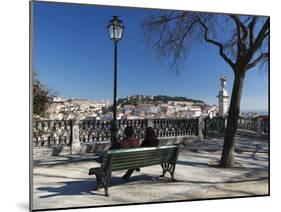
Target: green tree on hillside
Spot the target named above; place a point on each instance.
(41, 97)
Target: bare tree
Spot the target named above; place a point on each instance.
(242, 42)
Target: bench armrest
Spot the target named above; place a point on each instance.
(95, 171)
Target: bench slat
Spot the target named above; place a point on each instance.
(139, 149)
(140, 156)
(137, 160)
(138, 164)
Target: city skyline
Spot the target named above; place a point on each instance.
(74, 56)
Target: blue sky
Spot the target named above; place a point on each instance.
(73, 56)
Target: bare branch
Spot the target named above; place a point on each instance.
(262, 34)
(188, 29)
(165, 19)
(243, 27)
(265, 35)
(262, 57)
(241, 37)
(259, 40)
(216, 43)
(162, 32)
(247, 19)
(251, 29)
(180, 44)
(173, 33)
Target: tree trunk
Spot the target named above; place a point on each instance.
(227, 158)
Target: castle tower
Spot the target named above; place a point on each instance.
(223, 97)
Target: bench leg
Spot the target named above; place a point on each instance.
(106, 192)
(163, 174)
(103, 180)
(99, 174)
(99, 182)
(172, 176)
(164, 169)
(106, 185)
(170, 167)
(172, 172)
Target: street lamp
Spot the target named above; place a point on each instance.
(115, 29)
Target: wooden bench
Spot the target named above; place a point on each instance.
(123, 159)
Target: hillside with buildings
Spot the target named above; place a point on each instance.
(157, 99)
(131, 107)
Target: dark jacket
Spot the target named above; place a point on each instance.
(129, 143)
(150, 143)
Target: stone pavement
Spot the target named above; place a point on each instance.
(61, 182)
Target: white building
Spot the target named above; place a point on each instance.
(212, 111)
(155, 109)
(195, 111)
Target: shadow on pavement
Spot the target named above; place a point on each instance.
(83, 187)
(87, 187)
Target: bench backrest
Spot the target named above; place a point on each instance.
(121, 159)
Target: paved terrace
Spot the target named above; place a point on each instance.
(63, 181)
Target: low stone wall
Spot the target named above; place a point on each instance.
(177, 140)
(252, 134)
(41, 152)
(95, 147)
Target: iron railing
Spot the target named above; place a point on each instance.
(96, 130)
(175, 127)
(52, 133)
(248, 124)
(214, 127)
(59, 132)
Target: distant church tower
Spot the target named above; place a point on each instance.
(223, 98)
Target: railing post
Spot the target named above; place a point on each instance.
(150, 123)
(200, 129)
(205, 128)
(75, 147)
(259, 128)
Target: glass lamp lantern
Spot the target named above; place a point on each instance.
(115, 29)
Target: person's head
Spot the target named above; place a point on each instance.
(129, 131)
(150, 134)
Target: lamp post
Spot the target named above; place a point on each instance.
(115, 29)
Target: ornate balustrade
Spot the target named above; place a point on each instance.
(52, 133)
(214, 127)
(139, 126)
(249, 124)
(60, 133)
(175, 127)
(94, 131)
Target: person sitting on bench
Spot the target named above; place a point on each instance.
(129, 142)
(150, 140)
